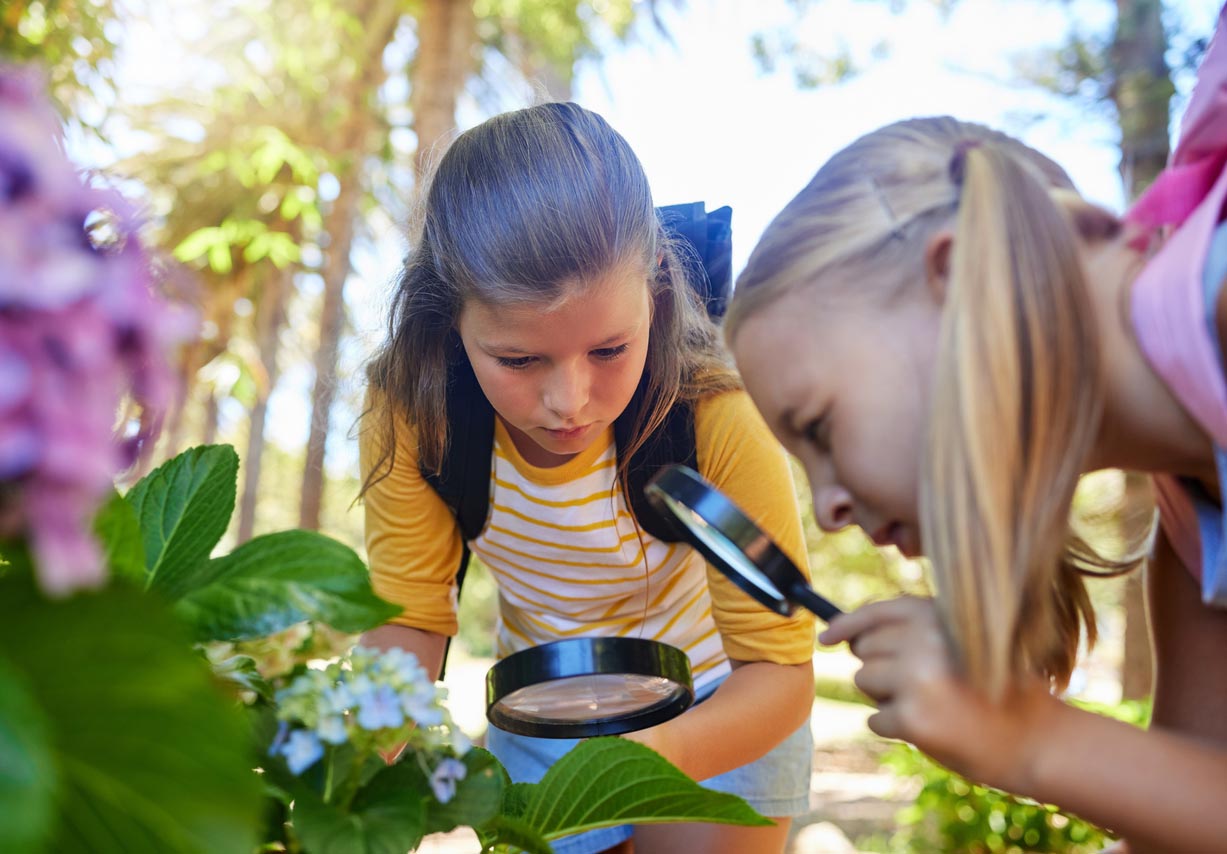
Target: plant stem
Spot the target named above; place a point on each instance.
(328, 778)
(352, 780)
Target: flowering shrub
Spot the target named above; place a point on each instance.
(377, 702)
(113, 733)
(80, 328)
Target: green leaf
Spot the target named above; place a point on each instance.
(150, 756)
(199, 243)
(604, 782)
(241, 671)
(509, 830)
(274, 581)
(387, 817)
(119, 534)
(516, 798)
(183, 507)
(27, 771)
(15, 558)
(220, 261)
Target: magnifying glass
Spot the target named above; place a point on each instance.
(732, 543)
(584, 687)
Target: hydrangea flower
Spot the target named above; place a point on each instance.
(302, 750)
(380, 709)
(443, 780)
(375, 700)
(80, 329)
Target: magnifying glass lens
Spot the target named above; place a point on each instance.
(732, 542)
(589, 697)
(584, 687)
(724, 547)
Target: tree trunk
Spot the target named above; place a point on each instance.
(356, 143)
(1141, 90)
(208, 430)
(447, 33)
(270, 315)
(189, 364)
(340, 230)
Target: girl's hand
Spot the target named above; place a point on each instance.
(909, 671)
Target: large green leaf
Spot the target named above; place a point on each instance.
(183, 507)
(150, 757)
(119, 534)
(274, 581)
(387, 817)
(611, 781)
(27, 770)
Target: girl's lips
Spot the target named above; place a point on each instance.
(569, 433)
(898, 535)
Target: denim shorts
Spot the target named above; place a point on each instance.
(777, 784)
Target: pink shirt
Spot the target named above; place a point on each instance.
(1173, 308)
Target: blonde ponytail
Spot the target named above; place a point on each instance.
(1016, 409)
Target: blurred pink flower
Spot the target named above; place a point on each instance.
(81, 329)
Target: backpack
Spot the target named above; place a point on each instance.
(463, 482)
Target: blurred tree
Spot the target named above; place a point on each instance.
(554, 33)
(266, 164)
(74, 41)
(357, 128)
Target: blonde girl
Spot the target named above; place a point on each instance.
(948, 337)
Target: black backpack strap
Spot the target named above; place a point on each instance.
(707, 249)
(463, 481)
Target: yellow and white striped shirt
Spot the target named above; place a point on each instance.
(568, 558)
(570, 561)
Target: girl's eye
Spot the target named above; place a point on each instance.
(818, 433)
(610, 353)
(515, 363)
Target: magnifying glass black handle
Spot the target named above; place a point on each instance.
(805, 596)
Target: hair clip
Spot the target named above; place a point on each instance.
(958, 162)
(896, 230)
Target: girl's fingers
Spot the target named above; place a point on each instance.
(877, 680)
(885, 722)
(886, 640)
(847, 626)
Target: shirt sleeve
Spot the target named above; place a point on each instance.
(413, 543)
(738, 454)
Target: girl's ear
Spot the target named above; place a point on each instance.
(937, 263)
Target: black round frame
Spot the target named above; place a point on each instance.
(679, 484)
(586, 657)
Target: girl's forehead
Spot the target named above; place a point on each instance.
(625, 285)
(593, 312)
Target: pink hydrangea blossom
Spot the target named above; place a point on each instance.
(81, 332)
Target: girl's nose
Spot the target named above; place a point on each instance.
(832, 507)
(566, 392)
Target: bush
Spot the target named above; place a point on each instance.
(951, 814)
